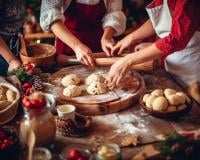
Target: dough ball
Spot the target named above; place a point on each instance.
(176, 100)
(149, 101)
(171, 108)
(145, 97)
(72, 91)
(3, 97)
(4, 104)
(158, 92)
(71, 79)
(160, 104)
(181, 107)
(96, 88)
(169, 91)
(3, 90)
(187, 99)
(11, 95)
(95, 77)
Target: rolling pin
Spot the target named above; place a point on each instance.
(101, 60)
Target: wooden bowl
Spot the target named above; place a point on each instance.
(42, 55)
(166, 114)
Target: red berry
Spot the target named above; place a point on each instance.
(32, 71)
(74, 154)
(29, 91)
(27, 85)
(26, 102)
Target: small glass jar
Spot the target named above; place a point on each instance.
(42, 122)
(108, 152)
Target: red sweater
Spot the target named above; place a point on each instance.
(185, 21)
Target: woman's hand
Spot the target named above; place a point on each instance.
(122, 45)
(14, 64)
(118, 71)
(142, 46)
(107, 45)
(84, 55)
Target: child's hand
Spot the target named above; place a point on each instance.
(107, 45)
(14, 64)
(84, 55)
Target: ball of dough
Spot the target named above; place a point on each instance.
(169, 91)
(160, 104)
(175, 100)
(72, 91)
(171, 108)
(145, 97)
(96, 88)
(4, 104)
(187, 99)
(71, 79)
(3, 90)
(181, 107)
(11, 95)
(149, 101)
(95, 77)
(158, 92)
(3, 97)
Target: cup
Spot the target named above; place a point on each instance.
(66, 111)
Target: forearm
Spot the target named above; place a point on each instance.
(146, 54)
(145, 31)
(108, 33)
(5, 51)
(63, 33)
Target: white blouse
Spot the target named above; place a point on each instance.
(52, 10)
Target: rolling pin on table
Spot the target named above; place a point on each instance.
(102, 60)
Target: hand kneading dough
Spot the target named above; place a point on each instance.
(176, 100)
(96, 88)
(158, 92)
(70, 79)
(145, 97)
(4, 104)
(11, 95)
(160, 104)
(3, 90)
(72, 91)
(95, 77)
(149, 101)
(169, 91)
(187, 99)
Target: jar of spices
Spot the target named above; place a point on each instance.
(108, 152)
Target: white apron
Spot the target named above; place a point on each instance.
(184, 65)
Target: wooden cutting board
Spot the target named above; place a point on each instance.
(120, 98)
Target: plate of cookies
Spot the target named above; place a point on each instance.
(166, 103)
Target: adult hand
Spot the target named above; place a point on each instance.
(84, 55)
(118, 71)
(142, 46)
(107, 45)
(122, 45)
(14, 64)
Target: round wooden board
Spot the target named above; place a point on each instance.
(128, 92)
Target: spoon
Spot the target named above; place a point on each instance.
(30, 143)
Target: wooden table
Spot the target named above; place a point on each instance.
(133, 121)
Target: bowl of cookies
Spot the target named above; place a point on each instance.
(166, 103)
(9, 100)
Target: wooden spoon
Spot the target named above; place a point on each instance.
(23, 46)
(30, 143)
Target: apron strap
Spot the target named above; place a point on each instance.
(165, 2)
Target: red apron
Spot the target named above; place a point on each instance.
(85, 22)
